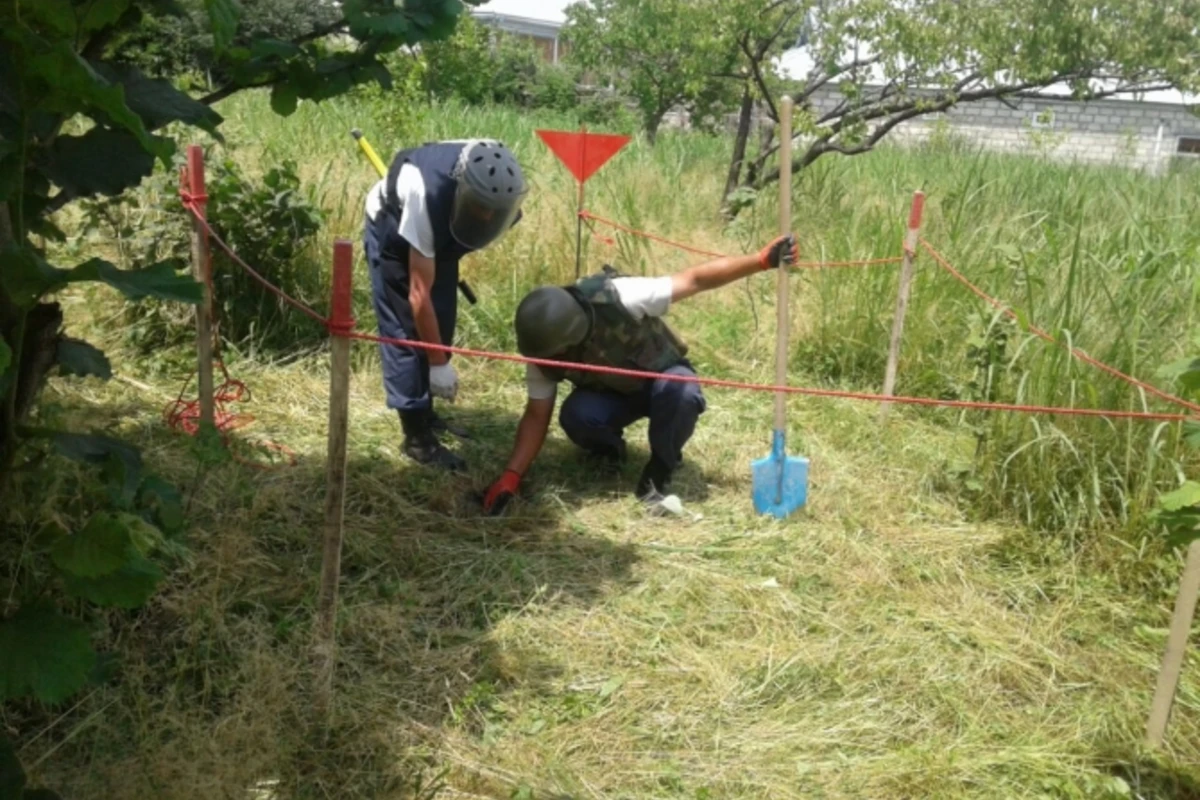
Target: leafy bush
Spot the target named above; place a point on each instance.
(267, 223)
(173, 46)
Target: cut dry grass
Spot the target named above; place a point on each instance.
(879, 645)
(885, 643)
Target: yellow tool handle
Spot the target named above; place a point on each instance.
(369, 151)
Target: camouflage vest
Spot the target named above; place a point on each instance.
(617, 339)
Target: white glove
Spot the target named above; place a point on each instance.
(443, 381)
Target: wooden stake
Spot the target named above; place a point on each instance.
(906, 276)
(341, 322)
(782, 325)
(202, 270)
(1177, 639)
(579, 204)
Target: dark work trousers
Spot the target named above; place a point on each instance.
(596, 419)
(405, 369)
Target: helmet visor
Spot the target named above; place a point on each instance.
(475, 223)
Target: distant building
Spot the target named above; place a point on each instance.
(544, 34)
(1143, 134)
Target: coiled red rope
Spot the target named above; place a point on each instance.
(184, 414)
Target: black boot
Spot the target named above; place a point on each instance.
(439, 426)
(608, 459)
(655, 478)
(421, 443)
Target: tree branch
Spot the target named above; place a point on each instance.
(818, 79)
(233, 88)
(322, 32)
(898, 113)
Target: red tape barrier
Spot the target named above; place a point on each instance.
(865, 262)
(729, 384)
(1041, 334)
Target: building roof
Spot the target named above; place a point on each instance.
(538, 12)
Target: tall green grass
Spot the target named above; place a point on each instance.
(1103, 258)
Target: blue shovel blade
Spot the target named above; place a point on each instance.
(780, 482)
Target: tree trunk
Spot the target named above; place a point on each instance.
(755, 169)
(37, 333)
(651, 122)
(739, 148)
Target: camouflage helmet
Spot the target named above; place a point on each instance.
(549, 321)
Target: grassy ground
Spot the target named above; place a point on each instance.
(885, 643)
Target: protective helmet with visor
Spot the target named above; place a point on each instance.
(490, 191)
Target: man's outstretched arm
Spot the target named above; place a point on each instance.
(721, 271)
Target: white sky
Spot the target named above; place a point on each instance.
(794, 62)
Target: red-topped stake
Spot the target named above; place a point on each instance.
(583, 153)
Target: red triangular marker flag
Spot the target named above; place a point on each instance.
(583, 153)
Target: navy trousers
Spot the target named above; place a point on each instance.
(405, 369)
(596, 420)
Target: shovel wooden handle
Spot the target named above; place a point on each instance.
(781, 280)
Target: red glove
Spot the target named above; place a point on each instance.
(783, 250)
(500, 493)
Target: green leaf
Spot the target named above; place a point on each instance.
(161, 280)
(1191, 433)
(223, 18)
(165, 501)
(121, 462)
(5, 355)
(157, 102)
(274, 48)
(129, 587)
(102, 547)
(82, 360)
(70, 85)
(43, 655)
(99, 14)
(52, 17)
(145, 537)
(1186, 372)
(1183, 527)
(103, 161)
(1185, 496)
(26, 276)
(95, 449)
(283, 99)
(12, 776)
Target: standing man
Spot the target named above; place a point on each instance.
(438, 203)
(607, 320)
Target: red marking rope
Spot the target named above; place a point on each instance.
(764, 387)
(1036, 331)
(866, 262)
(184, 415)
(729, 384)
(270, 287)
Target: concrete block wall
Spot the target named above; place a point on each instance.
(1113, 131)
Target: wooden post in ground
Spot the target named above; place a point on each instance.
(341, 322)
(202, 269)
(579, 203)
(1177, 639)
(906, 276)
